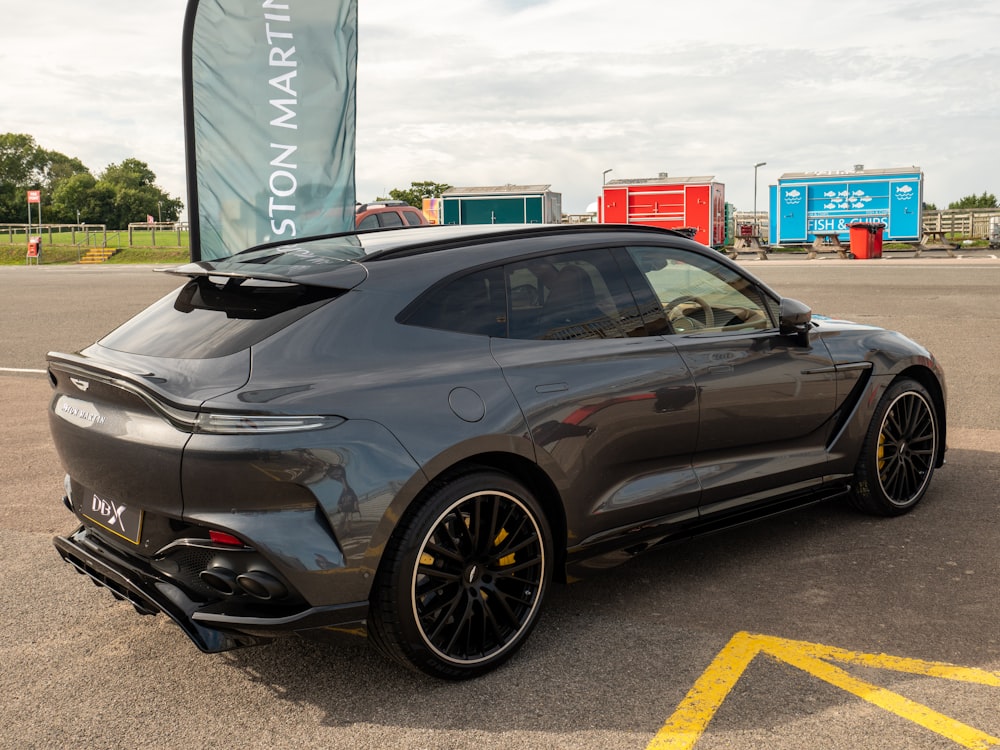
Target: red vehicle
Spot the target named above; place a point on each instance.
(388, 214)
(696, 204)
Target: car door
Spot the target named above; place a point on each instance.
(766, 400)
(612, 411)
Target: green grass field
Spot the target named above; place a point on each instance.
(59, 247)
(15, 255)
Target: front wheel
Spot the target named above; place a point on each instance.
(899, 453)
(463, 578)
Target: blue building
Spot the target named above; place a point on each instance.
(803, 203)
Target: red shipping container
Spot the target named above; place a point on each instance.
(697, 204)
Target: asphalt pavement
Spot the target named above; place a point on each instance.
(818, 629)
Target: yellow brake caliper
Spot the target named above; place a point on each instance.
(509, 559)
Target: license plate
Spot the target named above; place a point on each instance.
(118, 518)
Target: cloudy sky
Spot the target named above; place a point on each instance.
(489, 92)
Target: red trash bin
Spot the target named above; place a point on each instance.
(877, 240)
(863, 240)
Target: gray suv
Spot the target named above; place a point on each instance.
(411, 435)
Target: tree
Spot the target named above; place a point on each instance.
(986, 200)
(60, 167)
(418, 191)
(22, 168)
(123, 193)
(131, 173)
(79, 198)
(135, 194)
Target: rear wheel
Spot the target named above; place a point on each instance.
(900, 451)
(463, 578)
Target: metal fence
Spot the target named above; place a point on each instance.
(85, 234)
(170, 228)
(171, 234)
(965, 224)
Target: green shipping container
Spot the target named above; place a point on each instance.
(511, 204)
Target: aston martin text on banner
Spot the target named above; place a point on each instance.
(269, 121)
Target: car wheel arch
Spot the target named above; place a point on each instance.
(928, 380)
(516, 466)
(895, 467)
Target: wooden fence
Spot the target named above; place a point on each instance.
(965, 224)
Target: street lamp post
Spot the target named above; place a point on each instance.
(600, 201)
(756, 224)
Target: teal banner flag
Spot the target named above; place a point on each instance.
(269, 110)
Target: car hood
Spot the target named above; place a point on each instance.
(827, 323)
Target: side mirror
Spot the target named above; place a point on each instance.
(795, 317)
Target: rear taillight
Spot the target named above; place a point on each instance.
(221, 537)
(242, 424)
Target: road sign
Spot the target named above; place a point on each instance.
(34, 196)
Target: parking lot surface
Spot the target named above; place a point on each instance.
(817, 629)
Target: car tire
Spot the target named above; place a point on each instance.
(463, 578)
(899, 453)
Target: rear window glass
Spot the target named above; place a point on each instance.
(205, 319)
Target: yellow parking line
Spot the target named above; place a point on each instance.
(689, 721)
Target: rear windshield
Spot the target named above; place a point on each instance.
(207, 318)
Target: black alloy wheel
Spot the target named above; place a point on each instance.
(899, 453)
(464, 580)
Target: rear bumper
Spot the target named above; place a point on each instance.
(213, 627)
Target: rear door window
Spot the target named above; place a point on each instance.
(390, 219)
(565, 296)
(369, 222)
(568, 296)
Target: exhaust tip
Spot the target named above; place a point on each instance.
(261, 585)
(221, 579)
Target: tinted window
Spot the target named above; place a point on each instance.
(205, 320)
(413, 218)
(390, 219)
(558, 297)
(567, 296)
(369, 222)
(474, 303)
(701, 294)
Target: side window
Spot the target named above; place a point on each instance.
(369, 222)
(700, 294)
(475, 303)
(570, 296)
(413, 218)
(390, 219)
